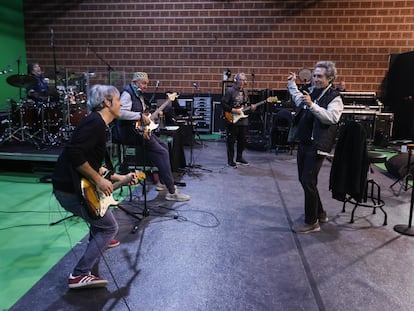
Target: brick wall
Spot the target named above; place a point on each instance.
(181, 42)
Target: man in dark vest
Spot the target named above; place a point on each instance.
(135, 107)
(320, 111)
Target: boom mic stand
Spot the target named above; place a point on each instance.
(108, 66)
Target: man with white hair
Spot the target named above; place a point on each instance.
(134, 108)
(320, 110)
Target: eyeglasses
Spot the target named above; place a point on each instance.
(317, 76)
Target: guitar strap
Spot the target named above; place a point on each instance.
(108, 164)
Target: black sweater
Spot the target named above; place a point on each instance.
(87, 144)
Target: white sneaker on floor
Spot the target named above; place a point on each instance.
(177, 196)
(160, 187)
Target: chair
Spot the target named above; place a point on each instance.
(280, 130)
(134, 157)
(349, 179)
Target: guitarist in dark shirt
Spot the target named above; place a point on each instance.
(235, 98)
(82, 158)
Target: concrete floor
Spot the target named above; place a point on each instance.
(231, 247)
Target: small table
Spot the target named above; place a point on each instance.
(407, 229)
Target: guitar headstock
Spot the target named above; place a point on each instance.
(172, 96)
(272, 99)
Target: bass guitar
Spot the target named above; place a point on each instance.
(97, 202)
(146, 129)
(235, 117)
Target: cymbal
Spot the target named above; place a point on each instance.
(21, 81)
(305, 75)
(51, 93)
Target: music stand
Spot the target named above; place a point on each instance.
(191, 164)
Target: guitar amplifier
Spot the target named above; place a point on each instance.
(202, 108)
(383, 128)
(219, 124)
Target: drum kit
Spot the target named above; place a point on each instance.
(45, 118)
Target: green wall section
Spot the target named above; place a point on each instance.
(13, 47)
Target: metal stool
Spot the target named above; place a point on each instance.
(372, 190)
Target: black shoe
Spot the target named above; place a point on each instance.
(323, 217)
(232, 164)
(242, 161)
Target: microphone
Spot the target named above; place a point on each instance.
(195, 85)
(52, 37)
(157, 84)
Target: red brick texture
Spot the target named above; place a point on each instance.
(179, 42)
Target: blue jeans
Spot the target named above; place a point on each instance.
(102, 230)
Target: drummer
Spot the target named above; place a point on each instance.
(38, 91)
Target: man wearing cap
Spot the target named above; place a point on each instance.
(134, 108)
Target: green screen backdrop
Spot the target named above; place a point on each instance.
(13, 48)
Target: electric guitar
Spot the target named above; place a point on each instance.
(148, 128)
(235, 117)
(97, 201)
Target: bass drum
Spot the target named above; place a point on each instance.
(30, 114)
(53, 117)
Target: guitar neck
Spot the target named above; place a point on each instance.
(257, 105)
(138, 174)
(121, 183)
(155, 114)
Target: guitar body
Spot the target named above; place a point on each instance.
(146, 129)
(97, 202)
(235, 117)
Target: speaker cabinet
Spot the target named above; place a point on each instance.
(383, 128)
(202, 108)
(219, 124)
(367, 120)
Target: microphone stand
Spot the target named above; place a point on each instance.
(52, 44)
(155, 91)
(109, 68)
(190, 119)
(18, 72)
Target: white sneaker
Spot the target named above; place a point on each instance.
(177, 196)
(160, 187)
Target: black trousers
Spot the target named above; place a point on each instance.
(309, 164)
(236, 133)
